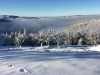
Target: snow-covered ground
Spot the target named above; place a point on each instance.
(69, 60)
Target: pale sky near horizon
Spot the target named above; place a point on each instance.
(49, 7)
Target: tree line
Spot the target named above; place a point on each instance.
(74, 35)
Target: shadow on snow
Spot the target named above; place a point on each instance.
(47, 56)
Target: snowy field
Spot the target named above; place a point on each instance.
(69, 60)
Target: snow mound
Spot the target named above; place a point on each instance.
(65, 50)
(53, 49)
(74, 49)
(19, 48)
(95, 48)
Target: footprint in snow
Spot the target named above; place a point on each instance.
(98, 71)
(10, 66)
(23, 70)
(2, 62)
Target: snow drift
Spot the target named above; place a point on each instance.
(74, 48)
(55, 61)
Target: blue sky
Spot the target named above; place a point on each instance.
(49, 7)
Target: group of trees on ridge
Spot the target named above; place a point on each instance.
(81, 34)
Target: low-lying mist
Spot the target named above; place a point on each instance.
(35, 25)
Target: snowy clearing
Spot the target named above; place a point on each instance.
(76, 60)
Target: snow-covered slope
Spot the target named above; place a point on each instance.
(50, 61)
(91, 24)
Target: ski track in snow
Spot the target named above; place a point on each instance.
(52, 61)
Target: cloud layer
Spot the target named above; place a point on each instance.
(35, 25)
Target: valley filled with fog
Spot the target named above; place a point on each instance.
(66, 30)
(34, 25)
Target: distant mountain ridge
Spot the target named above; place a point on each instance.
(16, 17)
(24, 17)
